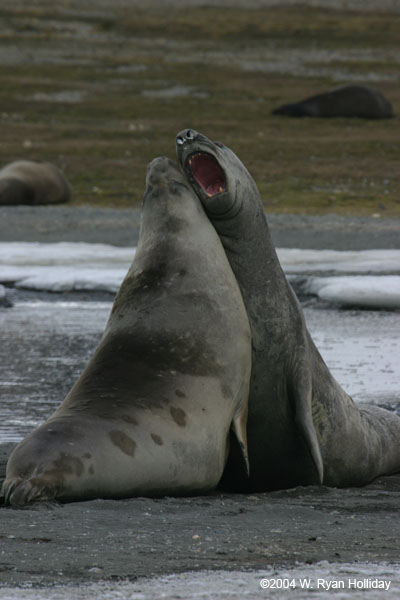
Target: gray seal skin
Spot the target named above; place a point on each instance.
(302, 427)
(345, 101)
(151, 413)
(30, 182)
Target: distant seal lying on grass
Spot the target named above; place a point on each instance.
(345, 101)
(30, 182)
(302, 427)
(151, 413)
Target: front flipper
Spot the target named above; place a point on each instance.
(19, 492)
(300, 390)
(239, 426)
(235, 478)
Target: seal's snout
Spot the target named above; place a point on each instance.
(160, 170)
(187, 135)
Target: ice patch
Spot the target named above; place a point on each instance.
(325, 580)
(63, 253)
(64, 279)
(363, 291)
(294, 260)
(65, 266)
(68, 266)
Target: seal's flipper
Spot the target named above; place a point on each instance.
(306, 428)
(239, 426)
(302, 404)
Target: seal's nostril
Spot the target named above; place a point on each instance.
(180, 140)
(189, 134)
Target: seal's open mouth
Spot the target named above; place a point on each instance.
(205, 170)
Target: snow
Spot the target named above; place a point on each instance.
(342, 581)
(366, 278)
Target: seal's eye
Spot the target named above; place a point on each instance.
(206, 171)
(189, 134)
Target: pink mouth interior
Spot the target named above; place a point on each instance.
(207, 173)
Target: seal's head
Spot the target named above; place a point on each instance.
(169, 202)
(218, 177)
(162, 170)
(164, 180)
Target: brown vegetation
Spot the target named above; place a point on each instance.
(101, 91)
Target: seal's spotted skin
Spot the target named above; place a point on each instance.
(152, 411)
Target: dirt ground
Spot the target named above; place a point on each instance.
(126, 539)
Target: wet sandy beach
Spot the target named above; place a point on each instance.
(127, 539)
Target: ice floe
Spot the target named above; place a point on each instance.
(63, 253)
(294, 260)
(366, 278)
(366, 291)
(64, 266)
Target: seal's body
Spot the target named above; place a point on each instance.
(345, 101)
(302, 427)
(151, 413)
(30, 182)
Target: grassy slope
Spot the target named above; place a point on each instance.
(105, 140)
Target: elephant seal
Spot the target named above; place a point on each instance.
(345, 101)
(30, 182)
(151, 413)
(302, 427)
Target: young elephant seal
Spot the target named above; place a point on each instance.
(151, 413)
(302, 427)
(345, 101)
(29, 182)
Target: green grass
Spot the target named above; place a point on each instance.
(104, 141)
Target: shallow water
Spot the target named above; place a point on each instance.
(45, 346)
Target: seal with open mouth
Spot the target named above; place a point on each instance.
(151, 413)
(302, 426)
